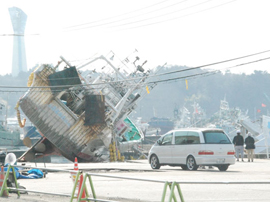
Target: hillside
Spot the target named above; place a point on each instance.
(248, 92)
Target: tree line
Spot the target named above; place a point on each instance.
(248, 92)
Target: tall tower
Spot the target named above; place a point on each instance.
(18, 19)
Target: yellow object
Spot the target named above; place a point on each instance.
(147, 89)
(122, 158)
(21, 123)
(186, 84)
(119, 156)
(30, 79)
(113, 153)
(142, 157)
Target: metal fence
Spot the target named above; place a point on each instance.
(84, 189)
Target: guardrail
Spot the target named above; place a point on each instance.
(167, 184)
(83, 187)
(4, 187)
(87, 177)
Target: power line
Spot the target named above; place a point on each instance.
(19, 34)
(171, 19)
(121, 25)
(169, 13)
(187, 69)
(209, 72)
(109, 18)
(129, 23)
(149, 82)
(211, 64)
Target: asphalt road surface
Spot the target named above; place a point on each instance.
(242, 182)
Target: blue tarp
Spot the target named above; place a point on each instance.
(35, 173)
(32, 174)
(17, 174)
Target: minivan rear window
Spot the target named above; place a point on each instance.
(216, 137)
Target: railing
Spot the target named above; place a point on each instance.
(83, 193)
(83, 187)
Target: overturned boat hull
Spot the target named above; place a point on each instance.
(75, 118)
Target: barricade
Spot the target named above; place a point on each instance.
(78, 183)
(172, 195)
(87, 177)
(82, 187)
(83, 194)
(171, 185)
(4, 188)
(76, 169)
(2, 184)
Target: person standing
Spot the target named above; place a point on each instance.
(250, 146)
(238, 142)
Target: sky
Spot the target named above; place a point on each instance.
(187, 33)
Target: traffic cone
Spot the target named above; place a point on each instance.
(2, 177)
(80, 186)
(76, 167)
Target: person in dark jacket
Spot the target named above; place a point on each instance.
(250, 146)
(238, 142)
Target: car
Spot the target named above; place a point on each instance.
(191, 148)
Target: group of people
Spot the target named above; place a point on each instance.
(239, 142)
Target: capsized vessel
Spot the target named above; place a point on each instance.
(79, 113)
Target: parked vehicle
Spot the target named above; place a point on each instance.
(191, 148)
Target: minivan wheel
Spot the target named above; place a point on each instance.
(154, 162)
(223, 167)
(191, 163)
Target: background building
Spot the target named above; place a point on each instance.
(18, 19)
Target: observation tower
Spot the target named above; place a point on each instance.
(18, 19)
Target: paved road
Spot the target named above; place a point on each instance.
(115, 189)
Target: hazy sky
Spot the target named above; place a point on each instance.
(179, 32)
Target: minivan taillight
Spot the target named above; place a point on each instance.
(230, 153)
(206, 152)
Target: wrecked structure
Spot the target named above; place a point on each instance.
(79, 113)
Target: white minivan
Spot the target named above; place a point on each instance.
(191, 148)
